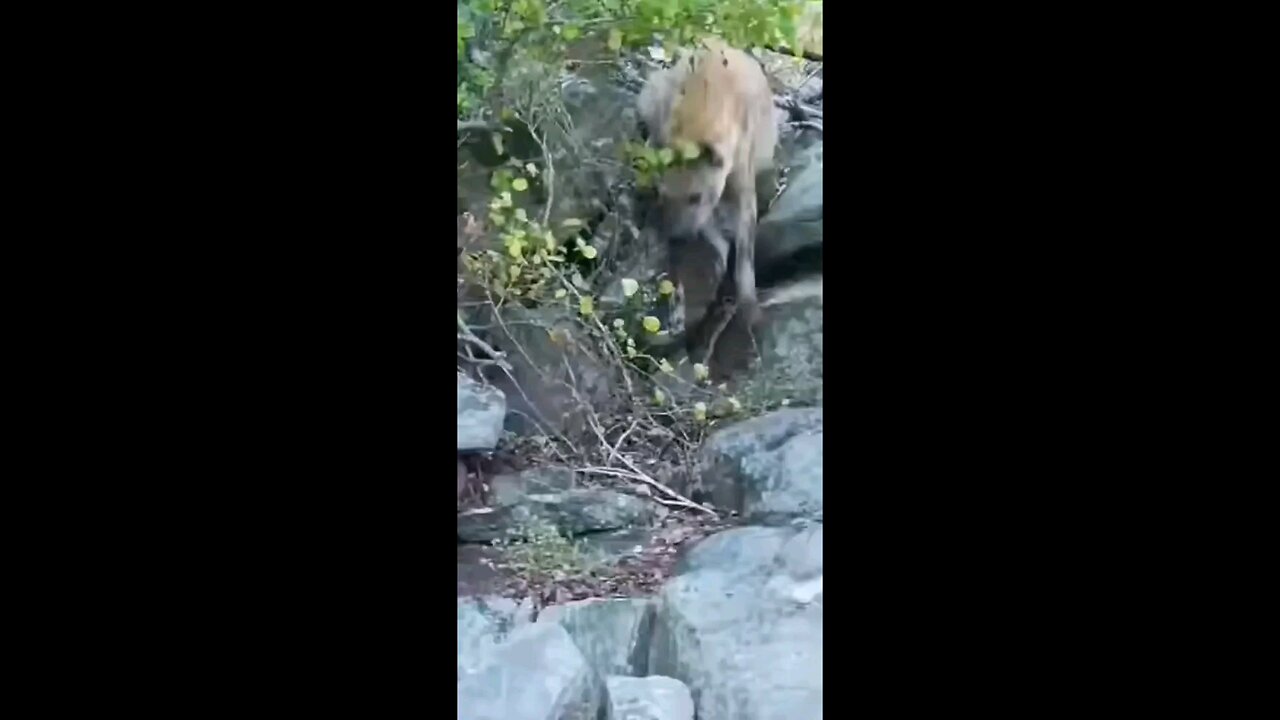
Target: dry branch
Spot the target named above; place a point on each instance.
(497, 356)
(676, 498)
(784, 50)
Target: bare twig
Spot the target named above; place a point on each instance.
(610, 345)
(797, 109)
(542, 428)
(784, 50)
(500, 361)
(464, 333)
(550, 175)
(677, 498)
(479, 362)
(639, 474)
(466, 125)
(545, 424)
(497, 316)
(490, 326)
(810, 76)
(807, 124)
(614, 450)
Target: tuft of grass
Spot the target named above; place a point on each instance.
(539, 551)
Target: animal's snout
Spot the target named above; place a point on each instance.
(678, 222)
(681, 240)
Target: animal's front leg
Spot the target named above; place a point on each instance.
(711, 232)
(724, 307)
(697, 267)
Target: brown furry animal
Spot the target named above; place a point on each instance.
(718, 101)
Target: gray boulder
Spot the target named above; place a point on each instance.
(481, 410)
(513, 488)
(542, 343)
(801, 556)
(743, 629)
(789, 267)
(536, 674)
(604, 118)
(768, 468)
(572, 512)
(751, 550)
(797, 579)
(790, 342)
(794, 222)
(649, 698)
(483, 623)
(811, 91)
(612, 634)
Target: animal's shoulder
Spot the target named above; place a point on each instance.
(701, 97)
(721, 74)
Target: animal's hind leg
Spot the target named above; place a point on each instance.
(747, 307)
(744, 246)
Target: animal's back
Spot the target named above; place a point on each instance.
(707, 94)
(737, 82)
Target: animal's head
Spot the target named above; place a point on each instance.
(694, 109)
(689, 192)
(704, 126)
